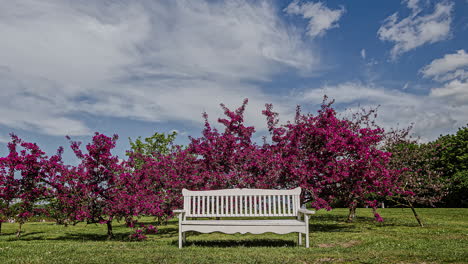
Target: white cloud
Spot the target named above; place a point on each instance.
(321, 18)
(363, 54)
(447, 68)
(431, 115)
(145, 60)
(416, 29)
(456, 91)
(450, 69)
(36, 104)
(413, 5)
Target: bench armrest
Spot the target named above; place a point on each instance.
(179, 211)
(306, 211)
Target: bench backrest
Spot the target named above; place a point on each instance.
(241, 202)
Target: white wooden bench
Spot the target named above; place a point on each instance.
(245, 203)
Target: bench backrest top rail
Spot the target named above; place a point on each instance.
(240, 191)
(241, 202)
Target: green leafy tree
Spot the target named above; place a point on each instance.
(159, 143)
(156, 145)
(453, 161)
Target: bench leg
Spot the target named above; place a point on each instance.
(183, 237)
(306, 220)
(180, 231)
(180, 239)
(299, 241)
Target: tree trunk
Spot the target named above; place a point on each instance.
(110, 234)
(18, 233)
(416, 215)
(352, 213)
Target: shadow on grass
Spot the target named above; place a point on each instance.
(168, 231)
(240, 243)
(332, 223)
(73, 237)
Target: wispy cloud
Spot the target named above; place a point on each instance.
(321, 18)
(449, 67)
(451, 70)
(144, 60)
(416, 29)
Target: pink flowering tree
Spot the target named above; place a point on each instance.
(333, 158)
(21, 180)
(9, 185)
(230, 159)
(99, 184)
(65, 193)
(162, 178)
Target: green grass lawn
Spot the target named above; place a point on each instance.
(444, 239)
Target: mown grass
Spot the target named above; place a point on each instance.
(444, 239)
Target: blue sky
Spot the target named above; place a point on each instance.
(136, 67)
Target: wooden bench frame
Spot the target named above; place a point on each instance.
(245, 203)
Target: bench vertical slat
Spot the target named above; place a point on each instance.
(193, 206)
(187, 203)
(241, 205)
(254, 206)
(274, 204)
(269, 205)
(208, 205)
(231, 206)
(223, 205)
(260, 205)
(213, 212)
(284, 205)
(217, 205)
(203, 204)
(236, 205)
(227, 205)
(280, 199)
(293, 203)
(298, 204)
(198, 205)
(246, 205)
(209, 208)
(289, 204)
(250, 204)
(278, 203)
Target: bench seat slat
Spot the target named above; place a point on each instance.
(282, 222)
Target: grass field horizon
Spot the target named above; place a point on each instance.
(399, 239)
